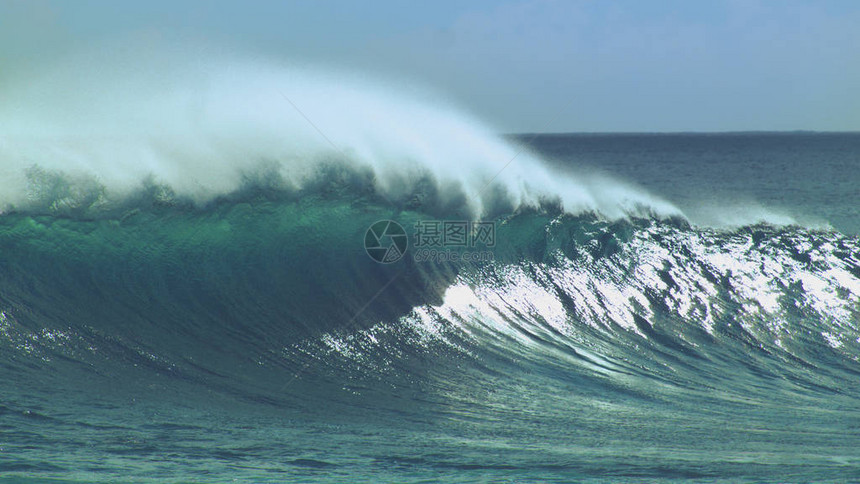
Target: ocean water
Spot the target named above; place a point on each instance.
(728, 179)
(607, 308)
(253, 339)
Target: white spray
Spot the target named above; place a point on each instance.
(198, 125)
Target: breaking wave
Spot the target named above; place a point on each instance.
(101, 129)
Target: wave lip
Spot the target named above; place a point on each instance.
(91, 131)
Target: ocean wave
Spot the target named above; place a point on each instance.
(258, 288)
(97, 130)
(206, 223)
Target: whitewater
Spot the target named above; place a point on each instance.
(186, 294)
(202, 128)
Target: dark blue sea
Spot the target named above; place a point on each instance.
(728, 179)
(278, 332)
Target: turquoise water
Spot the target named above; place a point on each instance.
(252, 339)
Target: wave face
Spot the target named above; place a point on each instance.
(580, 342)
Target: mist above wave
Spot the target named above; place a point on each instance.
(107, 126)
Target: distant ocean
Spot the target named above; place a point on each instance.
(729, 179)
(634, 308)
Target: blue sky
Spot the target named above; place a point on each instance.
(524, 66)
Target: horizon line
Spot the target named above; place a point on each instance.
(561, 133)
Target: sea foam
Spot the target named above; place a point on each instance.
(200, 125)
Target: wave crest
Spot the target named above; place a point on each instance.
(94, 130)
